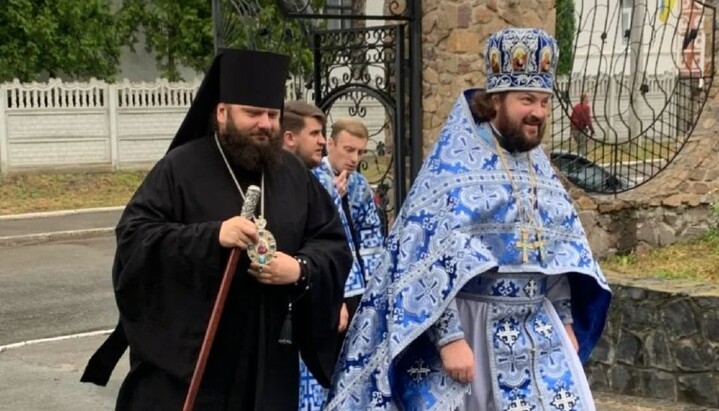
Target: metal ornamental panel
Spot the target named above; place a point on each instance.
(646, 67)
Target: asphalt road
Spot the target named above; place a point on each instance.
(56, 289)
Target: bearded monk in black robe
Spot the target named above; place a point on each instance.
(174, 239)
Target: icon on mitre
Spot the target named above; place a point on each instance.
(519, 59)
(545, 63)
(494, 61)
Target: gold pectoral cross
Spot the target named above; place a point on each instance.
(527, 245)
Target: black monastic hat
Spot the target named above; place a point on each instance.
(247, 77)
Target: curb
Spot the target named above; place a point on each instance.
(7, 347)
(40, 238)
(60, 213)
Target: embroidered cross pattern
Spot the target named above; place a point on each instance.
(527, 245)
(519, 404)
(564, 400)
(507, 333)
(551, 353)
(543, 328)
(418, 371)
(512, 360)
(531, 288)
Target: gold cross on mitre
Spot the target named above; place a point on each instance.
(527, 245)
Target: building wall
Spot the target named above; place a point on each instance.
(139, 65)
(611, 17)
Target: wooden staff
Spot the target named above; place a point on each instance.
(211, 329)
(248, 210)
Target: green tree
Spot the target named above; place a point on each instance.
(268, 29)
(181, 33)
(178, 32)
(73, 38)
(566, 26)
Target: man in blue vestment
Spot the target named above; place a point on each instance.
(345, 148)
(302, 129)
(487, 296)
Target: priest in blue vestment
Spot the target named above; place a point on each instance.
(487, 296)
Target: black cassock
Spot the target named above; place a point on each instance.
(167, 272)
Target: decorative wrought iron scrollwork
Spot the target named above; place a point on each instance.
(383, 185)
(647, 72)
(354, 65)
(357, 66)
(299, 7)
(235, 22)
(397, 8)
(392, 10)
(358, 56)
(376, 158)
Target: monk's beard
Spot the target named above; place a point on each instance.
(244, 152)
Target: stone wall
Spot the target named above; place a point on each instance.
(454, 34)
(613, 227)
(661, 341)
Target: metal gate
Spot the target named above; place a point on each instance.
(370, 67)
(646, 67)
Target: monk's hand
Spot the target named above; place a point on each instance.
(238, 232)
(572, 336)
(281, 270)
(344, 318)
(341, 182)
(458, 360)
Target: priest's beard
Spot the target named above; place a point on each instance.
(514, 137)
(243, 151)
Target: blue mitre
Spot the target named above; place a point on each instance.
(520, 59)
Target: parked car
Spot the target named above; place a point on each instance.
(587, 174)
